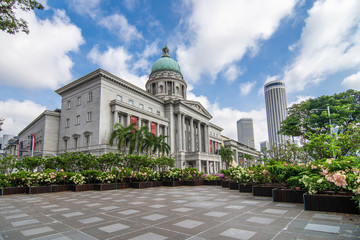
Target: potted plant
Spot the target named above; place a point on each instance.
(107, 181)
(172, 178)
(78, 181)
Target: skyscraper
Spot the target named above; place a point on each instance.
(276, 112)
(245, 131)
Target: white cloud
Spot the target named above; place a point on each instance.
(119, 62)
(227, 117)
(40, 59)
(352, 81)
(86, 7)
(143, 62)
(119, 24)
(221, 32)
(245, 88)
(300, 99)
(329, 43)
(232, 73)
(18, 115)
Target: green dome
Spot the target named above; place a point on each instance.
(165, 63)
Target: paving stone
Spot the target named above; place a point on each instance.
(109, 208)
(24, 222)
(216, 214)
(90, 220)
(136, 203)
(179, 201)
(261, 220)
(73, 214)
(129, 212)
(322, 228)
(287, 205)
(275, 211)
(149, 236)
(93, 204)
(183, 209)
(154, 217)
(36, 231)
(238, 234)
(327, 216)
(157, 206)
(235, 207)
(250, 202)
(114, 228)
(188, 224)
(16, 216)
(60, 209)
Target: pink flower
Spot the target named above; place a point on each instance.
(297, 188)
(340, 179)
(313, 167)
(356, 171)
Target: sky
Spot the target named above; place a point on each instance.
(227, 50)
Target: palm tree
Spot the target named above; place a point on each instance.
(123, 135)
(226, 155)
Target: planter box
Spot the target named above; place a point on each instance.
(60, 188)
(287, 195)
(141, 184)
(233, 185)
(104, 186)
(264, 190)
(172, 183)
(330, 203)
(80, 188)
(225, 184)
(246, 187)
(191, 183)
(157, 184)
(13, 190)
(122, 185)
(209, 182)
(219, 182)
(38, 189)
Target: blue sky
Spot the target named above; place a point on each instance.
(227, 50)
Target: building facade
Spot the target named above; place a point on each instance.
(245, 131)
(276, 110)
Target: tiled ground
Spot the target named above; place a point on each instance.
(204, 212)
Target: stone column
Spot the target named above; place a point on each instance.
(192, 135)
(183, 132)
(198, 165)
(207, 141)
(128, 120)
(199, 136)
(139, 122)
(157, 129)
(179, 131)
(114, 118)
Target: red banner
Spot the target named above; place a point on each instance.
(210, 146)
(134, 121)
(153, 128)
(33, 142)
(217, 146)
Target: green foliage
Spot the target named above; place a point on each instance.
(8, 20)
(8, 164)
(305, 119)
(226, 155)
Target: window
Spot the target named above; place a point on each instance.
(76, 142)
(88, 117)
(77, 120)
(131, 102)
(119, 118)
(150, 109)
(67, 123)
(79, 101)
(69, 104)
(141, 106)
(65, 144)
(119, 98)
(87, 140)
(158, 113)
(90, 96)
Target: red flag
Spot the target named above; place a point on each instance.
(153, 128)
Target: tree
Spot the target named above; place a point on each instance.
(8, 20)
(226, 155)
(122, 136)
(311, 116)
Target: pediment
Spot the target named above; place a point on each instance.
(197, 107)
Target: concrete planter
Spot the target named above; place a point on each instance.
(122, 185)
(209, 182)
(60, 188)
(264, 190)
(80, 188)
(172, 183)
(225, 184)
(157, 184)
(233, 185)
(191, 183)
(246, 187)
(105, 186)
(12, 190)
(141, 184)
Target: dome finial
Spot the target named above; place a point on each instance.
(165, 51)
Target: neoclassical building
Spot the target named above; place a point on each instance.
(92, 104)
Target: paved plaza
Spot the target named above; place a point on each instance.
(204, 212)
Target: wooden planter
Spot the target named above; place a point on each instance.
(209, 182)
(122, 185)
(246, 187)
(172, 183)
(219, 182)
(157, 184)
(225, 184)
(287, 195)
(233, 185)
(80, 188)
(264, 190)
(12, 190)
(38, 189)
(104, 186)
(60, 188)
(330, 203)
(141, 184)
(191, 183)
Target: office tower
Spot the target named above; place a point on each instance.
(245, 131)
(276, 112)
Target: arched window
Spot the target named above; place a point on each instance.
(161, 89)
